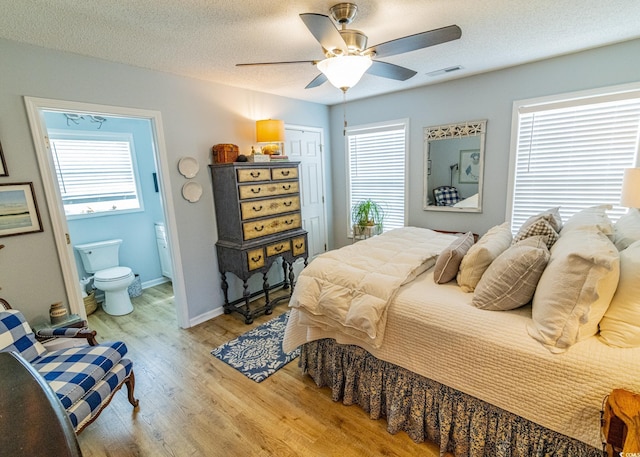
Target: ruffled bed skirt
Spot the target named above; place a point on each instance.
(427, 410)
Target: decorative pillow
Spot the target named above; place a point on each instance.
(481, 254)
(538, 227)
(552, 216)
(449, 259)
(627, 229)
(575, 289)
(620, 325)
(511, 279)
(595, 216)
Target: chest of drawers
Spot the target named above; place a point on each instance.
(258, 221)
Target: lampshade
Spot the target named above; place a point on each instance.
(631, 188)
(344, 72)
(270, 131)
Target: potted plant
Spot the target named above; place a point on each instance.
(365, 215)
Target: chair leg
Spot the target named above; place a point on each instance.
(131, 383)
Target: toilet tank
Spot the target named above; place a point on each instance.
(99, 255)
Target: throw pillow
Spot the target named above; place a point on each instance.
(512, 277)
(595, 216)
(627, 229)
(575, 289)
(449, 259)
(620, 325)
(481, 254)
(552, 216)
(538, 227)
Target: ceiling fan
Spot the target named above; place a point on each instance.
(347, 57)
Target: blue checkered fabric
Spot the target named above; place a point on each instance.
(16, 335)
(91, 404)
(446, 196)
(72, 372)
(59, 332)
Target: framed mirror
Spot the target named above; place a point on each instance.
(454, 167)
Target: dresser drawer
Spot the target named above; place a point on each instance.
(278, 248)
(253, 174)
(299, 245)
(284, 173)
(270, 226)
(253, 209)
(268, 189)
(255, 259)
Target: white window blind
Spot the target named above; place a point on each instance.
(572, 154)
(95, 176)
(376, 158)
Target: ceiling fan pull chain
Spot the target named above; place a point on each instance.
(344, 112)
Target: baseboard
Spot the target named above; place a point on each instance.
(155, 282)
(206, 316)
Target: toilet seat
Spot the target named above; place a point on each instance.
(113, 274)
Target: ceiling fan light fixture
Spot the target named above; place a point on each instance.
(344, 72)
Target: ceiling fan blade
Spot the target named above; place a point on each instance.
(313, 62)
(318, 80)
(323, 29)
(417, 41)
(391, 71)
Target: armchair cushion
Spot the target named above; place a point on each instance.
(16, 335)
(72, 372)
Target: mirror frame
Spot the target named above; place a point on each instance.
(450, 131)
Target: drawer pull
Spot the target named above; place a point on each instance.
(257, 209)
(299, 246)
(258, 229)
(279, 248)
(256, 259)
(289, 222)
(289, 203)
(285, 172)
(286, 187)
(255, 174)
(255, 191)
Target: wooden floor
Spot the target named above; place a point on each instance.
(192, 404)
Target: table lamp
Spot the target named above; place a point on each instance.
(271, 132)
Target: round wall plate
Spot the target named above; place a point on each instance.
(188, 167)
(192, 191)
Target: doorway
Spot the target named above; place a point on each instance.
(43, 115)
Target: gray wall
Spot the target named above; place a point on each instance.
(195, 114)
(488, 96)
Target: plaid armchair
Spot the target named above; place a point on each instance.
(84, 378)
(446, 195)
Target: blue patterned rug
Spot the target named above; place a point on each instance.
(258, 353)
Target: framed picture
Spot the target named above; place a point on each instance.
(3, 164)
(18, 209)
(469, 166)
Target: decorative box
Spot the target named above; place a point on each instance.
(259, 158)
(224, 153)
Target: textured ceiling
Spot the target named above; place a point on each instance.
(204, 39)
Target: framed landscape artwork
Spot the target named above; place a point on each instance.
(3, 164)
(18, 209)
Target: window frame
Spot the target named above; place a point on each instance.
(89, 135)
(556, 101)
(369, 128)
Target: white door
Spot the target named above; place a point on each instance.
(304, 145)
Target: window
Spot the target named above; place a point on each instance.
(96, 173)
(376, 156)
(571, 151)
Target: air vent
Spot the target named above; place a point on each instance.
(444, 71)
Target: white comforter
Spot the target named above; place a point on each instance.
(350, 289)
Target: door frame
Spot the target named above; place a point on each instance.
(319, 130)
(35, 106)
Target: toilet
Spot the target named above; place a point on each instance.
(101, 259)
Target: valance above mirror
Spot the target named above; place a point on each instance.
(454, 166)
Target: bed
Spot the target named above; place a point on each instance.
(472, 380)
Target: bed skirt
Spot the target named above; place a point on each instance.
(427, 410)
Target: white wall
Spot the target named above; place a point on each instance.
(196, 115)
(488, 96)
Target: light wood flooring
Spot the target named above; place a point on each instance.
(192, 404)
